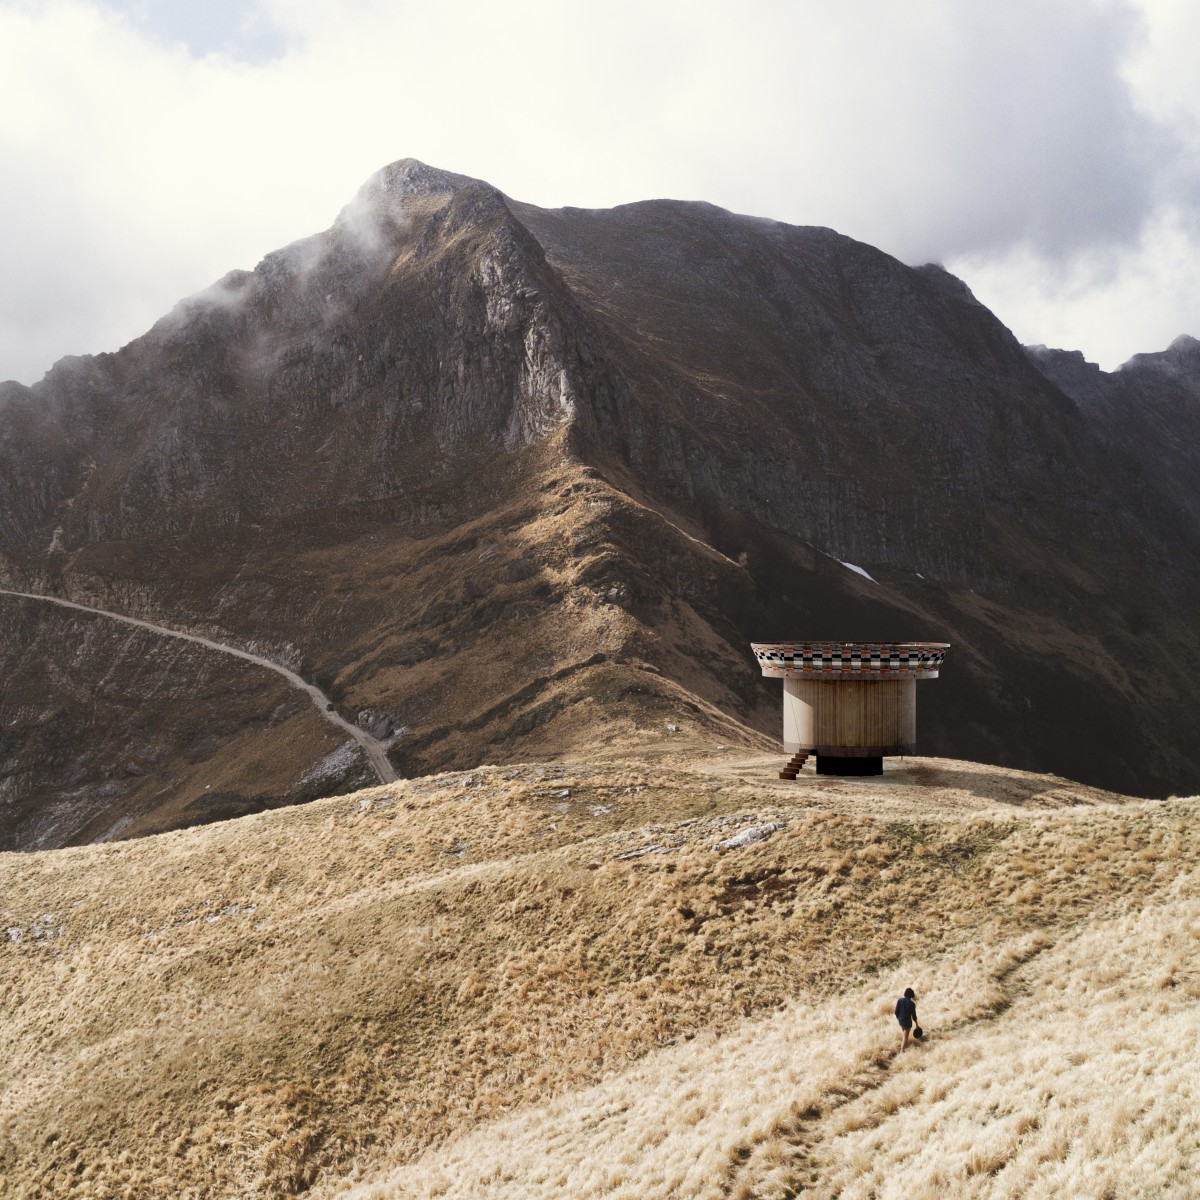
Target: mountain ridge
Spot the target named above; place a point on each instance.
(526, 481)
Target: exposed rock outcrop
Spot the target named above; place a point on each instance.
(526, 480)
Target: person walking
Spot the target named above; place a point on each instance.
(906, 1014)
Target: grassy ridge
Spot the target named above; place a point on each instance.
(458, 985)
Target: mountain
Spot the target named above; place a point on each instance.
(1149, 407)
(510, 483)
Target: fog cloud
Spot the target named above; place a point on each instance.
(1044, 149)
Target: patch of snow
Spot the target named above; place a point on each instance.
(15, 933)
(858, 571)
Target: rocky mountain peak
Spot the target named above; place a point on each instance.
(1181, 360)
(411, 177)
(404, 191)
(575, 461)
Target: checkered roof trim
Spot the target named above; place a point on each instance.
(862, 660)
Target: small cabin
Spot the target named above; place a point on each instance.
(848, 703)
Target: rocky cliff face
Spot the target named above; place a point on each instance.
(113, 732)
(527, 482)
(1149, 411)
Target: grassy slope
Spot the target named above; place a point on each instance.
(458, 986)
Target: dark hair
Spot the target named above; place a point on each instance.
(909, 994)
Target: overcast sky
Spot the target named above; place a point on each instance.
(1047, 151)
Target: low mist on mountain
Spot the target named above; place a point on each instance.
(510, 484)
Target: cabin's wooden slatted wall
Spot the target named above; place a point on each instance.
(850, 717)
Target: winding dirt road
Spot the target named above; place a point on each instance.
(371, 745)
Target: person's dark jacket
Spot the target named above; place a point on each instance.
(906, 1012)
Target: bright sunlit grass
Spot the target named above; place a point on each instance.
(545, 981)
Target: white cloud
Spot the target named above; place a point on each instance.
(235, 28)
(1039, 147)
(1112, 303)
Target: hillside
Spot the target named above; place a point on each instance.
(515, 484)
(635, 976)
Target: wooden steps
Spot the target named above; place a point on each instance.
(795, 765)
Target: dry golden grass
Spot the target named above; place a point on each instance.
(544, 981)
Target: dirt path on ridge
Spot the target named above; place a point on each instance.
(371, 745)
